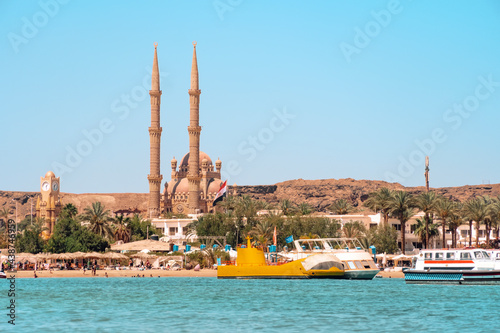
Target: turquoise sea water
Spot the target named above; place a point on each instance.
(211, 305)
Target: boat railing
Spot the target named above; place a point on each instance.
(268, 263)
(328, 244)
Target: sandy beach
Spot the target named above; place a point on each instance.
(147, 273)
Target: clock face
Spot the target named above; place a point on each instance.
(55, 186)
(45, 186)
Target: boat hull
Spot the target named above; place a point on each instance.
(292, 270)
(363, 274)
(468, 277)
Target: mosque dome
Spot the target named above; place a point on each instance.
(50, 174)
(214, 186)
(176, 186)
(185, 159)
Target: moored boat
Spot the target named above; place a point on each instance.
(357, 262)
(454, 266)
(336, 262)
(251, 264)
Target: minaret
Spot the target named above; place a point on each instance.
(194, 131)
(154, 176)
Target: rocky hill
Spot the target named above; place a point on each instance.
(318, 193)
(321, 193)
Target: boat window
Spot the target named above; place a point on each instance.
(428, 255)
(358, 265)
(326, 265)
(465, 255)
(450, 255)
(486, 255)
(369, 264)
(351, 265)
(439, 256)
(478, 254)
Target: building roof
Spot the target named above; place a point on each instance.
(146, 244)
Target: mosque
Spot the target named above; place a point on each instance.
(194, 185)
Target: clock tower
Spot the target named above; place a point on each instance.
(48, 204)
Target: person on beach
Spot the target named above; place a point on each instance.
(106, 274)
(34, 275)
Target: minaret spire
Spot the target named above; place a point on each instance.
(194, 70)
(154, 176)
(155, 78)
(194, 131)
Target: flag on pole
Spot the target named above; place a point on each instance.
(289, 239)
(221, 194)
(275, 238)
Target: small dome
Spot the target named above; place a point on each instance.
(50, 174)
(185, 159)
(178, 186)
(204, 161)
(173, 160)
(218, 162)
(214, 186)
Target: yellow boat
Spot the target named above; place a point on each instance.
(251, 264)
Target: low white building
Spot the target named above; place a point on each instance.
(174, 229)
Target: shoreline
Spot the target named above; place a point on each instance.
(43, 274)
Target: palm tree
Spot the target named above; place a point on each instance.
(228, 204)
(287, 207)
(444, 209)
(305, 208)
(380, 201)
(69, 210)
(476, 210)
(341, 207)
(122, 231)
(455, 220)
(426, 230)
(262, 233)
(4, 216)
(426, 202)
(495, 214)
(490, 218)
(402, 204)
(98, 218)
(355, 229)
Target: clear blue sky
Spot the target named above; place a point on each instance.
(290, 89)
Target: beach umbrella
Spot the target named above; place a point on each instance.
(24, 255)
(116, 256)
(93, 255)
(77, 255)
(65, 256)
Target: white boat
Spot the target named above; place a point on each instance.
(357, 262)
(3, 275)
(454, 266)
